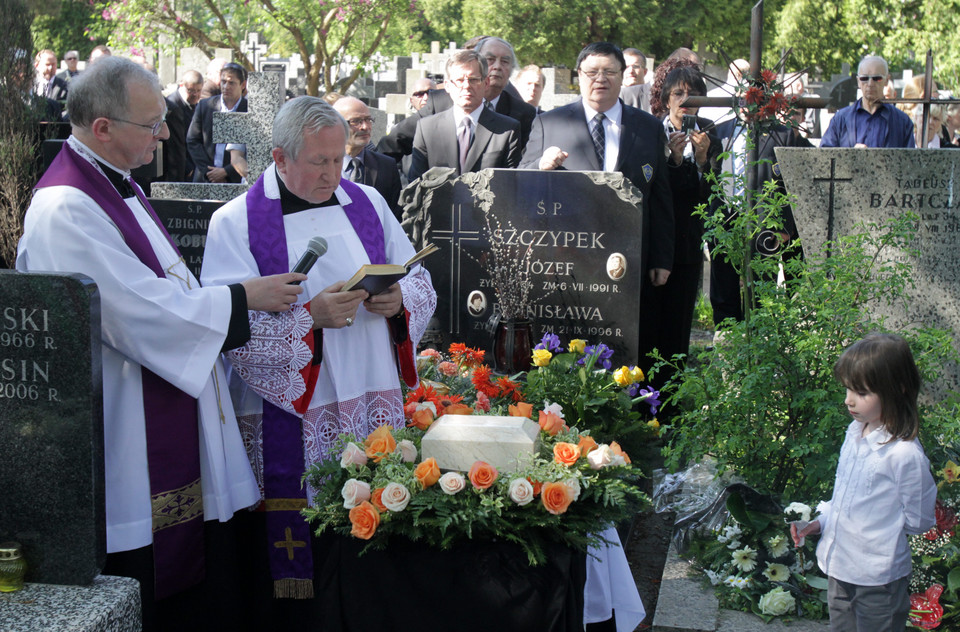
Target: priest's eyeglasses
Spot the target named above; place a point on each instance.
(153, 127)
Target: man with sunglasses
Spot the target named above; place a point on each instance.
(869, 122)
(174, 461)
(71, 58)
(212, 159)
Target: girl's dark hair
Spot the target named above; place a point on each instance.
(688, 76)
(657, 107)
(883, 364)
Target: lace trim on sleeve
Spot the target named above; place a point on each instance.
(271, 361)
(420, 299)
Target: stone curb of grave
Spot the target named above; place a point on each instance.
(683, 605)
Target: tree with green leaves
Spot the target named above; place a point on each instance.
(324, 33)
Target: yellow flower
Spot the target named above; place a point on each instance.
(654, 425)
(951, 473)
(637, 374)
(541, 357)
(622, 376)
(577, 345)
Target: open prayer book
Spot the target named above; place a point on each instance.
(377, 277)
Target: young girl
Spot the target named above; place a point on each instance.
(883, 490)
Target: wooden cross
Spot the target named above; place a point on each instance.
(289, 543)
(253, 49)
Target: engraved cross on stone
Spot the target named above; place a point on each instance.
(254, 127)
(454, 236)
(253, 49)
(289, 543)
(833, 179)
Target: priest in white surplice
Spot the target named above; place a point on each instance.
(334, 362)
(174, 457)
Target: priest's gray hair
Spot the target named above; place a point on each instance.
(103, 90)
(301, 116)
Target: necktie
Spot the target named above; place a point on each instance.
(463, 138)
(356, 172)
(599, 138)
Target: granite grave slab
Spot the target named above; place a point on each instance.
(458, 441)
(838, 189)
(187, 222)
(51, 425)
(583, 232)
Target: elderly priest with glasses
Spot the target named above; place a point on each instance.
(175, 464)
(869, 122)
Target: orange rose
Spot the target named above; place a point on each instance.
(458, 409)
(422, 419)
(365, 519)
(565, 453)
(619, 451)
(483, 475)
(427, 473)
(380, 443)
(520, 409)
(537, 486)
(555, 498)
(586, 445)
(550, 423)
(375, 498)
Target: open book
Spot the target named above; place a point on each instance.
(377, 277)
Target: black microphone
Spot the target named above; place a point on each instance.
(315, 249)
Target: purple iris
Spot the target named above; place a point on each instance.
(654, 396)
(603, 353)
(550, 342)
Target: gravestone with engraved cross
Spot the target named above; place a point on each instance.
(841, 191)
(583, 234)
(254, 50)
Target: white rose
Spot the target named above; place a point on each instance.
(604, 456)
(395, 497)
(799, 508)
(574, 486)
(554, 408)
(777, 602)
(452, 482)
(407, 450)
(521, 491)
(353, 455)
(354, 492)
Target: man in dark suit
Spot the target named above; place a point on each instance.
(623, 139)
(71, 58)
(177, 163)
(468, 136)
(362, 164)
(724, 281)
(212, 159)
(47, 83)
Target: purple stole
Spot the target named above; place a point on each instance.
(173, 435)
(288, 534)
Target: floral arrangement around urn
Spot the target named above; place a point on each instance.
(753, 566)
(380, 486)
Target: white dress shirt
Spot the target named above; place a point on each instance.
(611, 131)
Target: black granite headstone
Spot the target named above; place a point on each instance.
(583, 230)
(51, 425)
(187, 222)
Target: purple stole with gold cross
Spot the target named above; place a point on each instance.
(173, 434)
(288, 534)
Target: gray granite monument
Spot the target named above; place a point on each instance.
(839, 189)
(51, 425)
(582, 231)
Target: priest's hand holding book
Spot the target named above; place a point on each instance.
(335, 307)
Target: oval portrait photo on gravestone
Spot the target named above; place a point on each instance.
(477, 303)
(616, 266)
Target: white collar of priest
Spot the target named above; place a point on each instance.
(290, 203)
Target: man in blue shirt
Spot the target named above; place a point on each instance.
(869, 122)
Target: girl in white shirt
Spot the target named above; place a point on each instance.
(883, 490)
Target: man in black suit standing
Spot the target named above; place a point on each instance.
(212, 159)
(47, 83)
(362, 164)
(71, 58)
(468, 136)
(599, 133)
(177, 163)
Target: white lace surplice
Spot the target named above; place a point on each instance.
(358, 387)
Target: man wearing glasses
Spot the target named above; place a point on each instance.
(212, 159)
(363, 165)
(869, 122)
(600, 133)
(467, 137)
(71, 58)
(174, 461)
